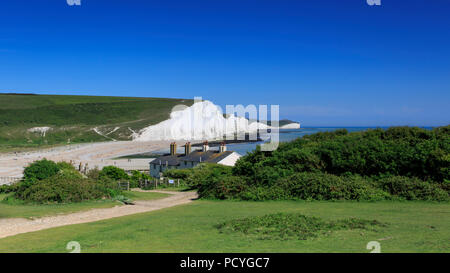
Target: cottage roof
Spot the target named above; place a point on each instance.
(195, 156)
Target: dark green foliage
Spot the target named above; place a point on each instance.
(227, 187)
(413, 188)
(114, 173)
(403, 151)
(178, 173)
(400, 162)
(9, 188)
(60, 189)
(93, 174)
(50, 182)
(322, 186)
(40, 170)
(285, 226)
(136, 177)
(206, 174)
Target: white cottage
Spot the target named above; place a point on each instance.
(190, 159)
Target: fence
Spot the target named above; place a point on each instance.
(9, 180)
(165, 182)
(125, 186)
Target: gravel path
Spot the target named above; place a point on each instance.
(13, 226)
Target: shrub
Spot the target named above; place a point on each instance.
(93, 174)
(114, 173)
(9, 188)
(136, 177)
(397, 151)
(322, 186)
(178, 173)
(60, 189)
(413, 188)
(207, 173)
(40, 170)
(226, 187)
(65, 166)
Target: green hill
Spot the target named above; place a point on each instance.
(72, 119)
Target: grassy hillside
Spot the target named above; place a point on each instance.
(73, 118)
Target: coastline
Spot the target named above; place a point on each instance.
(98, 154)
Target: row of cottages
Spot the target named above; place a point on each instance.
(190, 159)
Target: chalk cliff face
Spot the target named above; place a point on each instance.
(293, 125)
(203, 120)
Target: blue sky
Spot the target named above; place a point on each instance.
(326, 63)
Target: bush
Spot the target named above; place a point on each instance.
(322, 186)
(136, 177)
(182, 174)
(93, 174)
(40, 170)
(65, 166)
(114, 173)
(207, 173)
(413, 188)
(227, 187)
(397, 151)
(60, 189)
(9, 188)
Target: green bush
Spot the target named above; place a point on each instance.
(136, 177)
(413, 188)
(207, 173)
(397, 151)
(182, 174)
(93, 174)
(40, 170)
(65, 166)
(322, 186)
(114, 173)
(9, 188)
(227, 187)
(60, 189)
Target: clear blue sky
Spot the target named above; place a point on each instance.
(326, 63)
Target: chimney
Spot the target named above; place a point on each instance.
(222, 147)
(173, 148)
(205, 146)
(187, 148)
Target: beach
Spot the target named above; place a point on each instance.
(94, 154)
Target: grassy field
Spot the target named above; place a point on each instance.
(72, 118)
(411, 227)
(35, 211)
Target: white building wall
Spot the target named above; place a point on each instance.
(230, 160)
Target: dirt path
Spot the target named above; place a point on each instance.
(13, 226)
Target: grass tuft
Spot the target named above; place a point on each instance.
(285, 226)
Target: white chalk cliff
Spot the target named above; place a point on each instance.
(202, 120)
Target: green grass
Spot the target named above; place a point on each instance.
(36, 211)
(135, 195)
(73, 117)
(411, 227)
